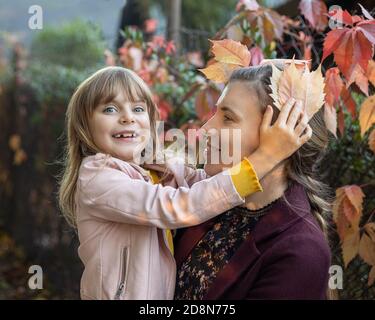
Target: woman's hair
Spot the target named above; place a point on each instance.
(302, 166)
(101, 87)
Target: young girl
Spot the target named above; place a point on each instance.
(121, 215)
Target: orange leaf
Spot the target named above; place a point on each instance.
(269, 23)
(351, 46)
(367, 114)
(358, 76)
(371, 141)
(347, 210)
(300, 84)
(315, 11)
(219, 72)
(333, 86)
(349, 102)
(229, 51)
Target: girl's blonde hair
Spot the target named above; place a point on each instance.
(101, 87)
(302, 166)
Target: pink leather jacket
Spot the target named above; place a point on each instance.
(121, 218)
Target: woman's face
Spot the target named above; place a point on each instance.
(237, 108)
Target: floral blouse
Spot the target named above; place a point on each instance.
(214, 251)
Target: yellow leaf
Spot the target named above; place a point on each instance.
(230, 51)
(15, 142)
(350, 247)
(219, 72)
(301, 84)
(367, 114)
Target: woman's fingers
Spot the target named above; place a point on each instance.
(306, 136)
(294, 115)
(267, 118)
(285, 110)
(301, 126)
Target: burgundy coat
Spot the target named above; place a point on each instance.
(285, 257)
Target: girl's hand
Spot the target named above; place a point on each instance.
(280, 140)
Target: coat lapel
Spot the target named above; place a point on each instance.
(280, 217)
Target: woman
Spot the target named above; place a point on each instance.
(274, 247)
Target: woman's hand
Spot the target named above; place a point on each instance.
(280, 140)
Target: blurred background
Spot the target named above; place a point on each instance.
(165, 42)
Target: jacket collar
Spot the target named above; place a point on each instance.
(121, 164)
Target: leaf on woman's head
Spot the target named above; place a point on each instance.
(300, 84)
(228, 56)
(229, 51)
(219, 72)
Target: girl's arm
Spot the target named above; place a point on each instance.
(107, 193)
(276, 143)
(101, 187)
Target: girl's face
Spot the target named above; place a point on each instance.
(237, 108)
(121, 128)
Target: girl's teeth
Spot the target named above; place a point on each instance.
(125, 135)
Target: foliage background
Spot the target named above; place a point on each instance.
(35, 87)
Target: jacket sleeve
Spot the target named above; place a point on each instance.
(110, 194)
(295, 268)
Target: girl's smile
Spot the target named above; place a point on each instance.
(129, 136)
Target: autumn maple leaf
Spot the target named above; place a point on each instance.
(228, 56)
(351, 45)
(332, 89)
(315, 11)
(299, 83)
(347, 212)
(367, 114)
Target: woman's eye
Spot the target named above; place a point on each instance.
(139, 109)
(226, 118)
(110, 109)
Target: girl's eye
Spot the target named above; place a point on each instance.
(110, 109)
(139, 109)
